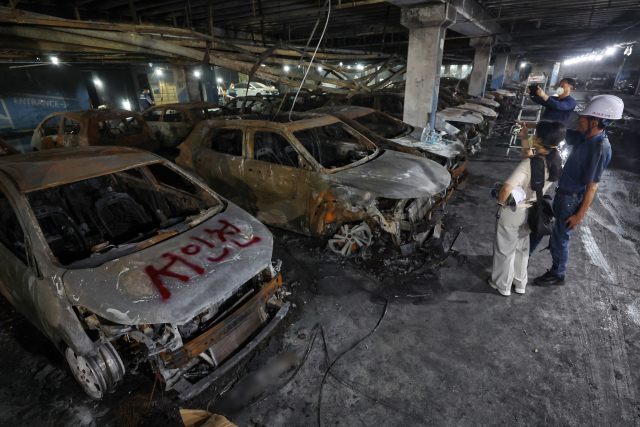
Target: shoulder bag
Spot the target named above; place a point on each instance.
(541, 217)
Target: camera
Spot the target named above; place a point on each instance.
(515, 129)
(533, 88)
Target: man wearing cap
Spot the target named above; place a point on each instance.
(582, 172)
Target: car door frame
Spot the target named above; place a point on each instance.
(57, 140)
(157, 132)
(287, 208)
(79, 136)
(200, 155)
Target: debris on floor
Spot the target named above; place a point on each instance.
(200, 418)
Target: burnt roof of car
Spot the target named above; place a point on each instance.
(98, 113)
(43, 169)
(190, 105)
(349, 111)
(298, 120)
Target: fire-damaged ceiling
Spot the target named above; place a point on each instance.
(551, 29)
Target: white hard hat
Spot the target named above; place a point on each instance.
(605, 106)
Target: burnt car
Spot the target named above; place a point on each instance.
(7, 149)
(317, 176)
(172, 123)
(599, 81)
(628, 84)
(119, 257)
(390, 103)
(103, 126)
(389, 133)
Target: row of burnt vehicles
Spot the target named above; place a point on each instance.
(119, 256)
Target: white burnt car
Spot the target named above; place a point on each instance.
(118, 256)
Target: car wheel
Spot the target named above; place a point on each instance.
(351, 239)
(97, 373)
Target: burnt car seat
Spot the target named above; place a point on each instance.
(120, 214)
(61, 232)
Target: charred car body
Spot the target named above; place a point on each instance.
(317, 176)
(103, 126)
(119, 257)
(172, 123)
(389, 133)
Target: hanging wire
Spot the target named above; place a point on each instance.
(312, 57)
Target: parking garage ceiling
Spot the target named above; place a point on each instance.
(545, 29)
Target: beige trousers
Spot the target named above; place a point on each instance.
(510, 249)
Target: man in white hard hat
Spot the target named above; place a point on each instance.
(589, 158)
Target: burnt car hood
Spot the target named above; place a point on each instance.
(413, 140)
(396, 175)
(483, 101)
(455, 114)
(480, 109)
(203, 266)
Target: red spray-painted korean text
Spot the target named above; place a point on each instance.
(228, 229)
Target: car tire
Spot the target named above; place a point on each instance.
(97, 373)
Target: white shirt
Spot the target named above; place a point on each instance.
(521, 176)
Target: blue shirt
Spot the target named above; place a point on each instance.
(145, 100)
(556, 109)
(588, 159)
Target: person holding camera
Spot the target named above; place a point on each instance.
(589, 158)
(511, 238)
(557, 108)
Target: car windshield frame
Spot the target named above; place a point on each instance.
(309, 157)
(217, 205)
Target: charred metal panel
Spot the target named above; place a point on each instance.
(200, 268)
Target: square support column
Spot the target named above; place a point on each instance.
(427, 26)
(510, 70)
(179, 80)
(478, 77)
(499, 71)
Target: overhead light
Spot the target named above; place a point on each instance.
(319, 68)
(97, 82)
(219, 80)
(523, 65)
(610, 50)
(592, 57)
(598, 57)
(159, 71)
(263, 65)
(348, 66)
(54, 59)
(197, 74)
(360, 67)
(286, 68)
(341, 64)
(126, 104)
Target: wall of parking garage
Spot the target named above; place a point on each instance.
(28, 94)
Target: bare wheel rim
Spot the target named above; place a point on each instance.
(87, 373)
(350, 239)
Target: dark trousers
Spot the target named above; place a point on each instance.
(563, 208)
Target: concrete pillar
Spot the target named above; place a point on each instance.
(426, 42)
(192, 77)
(478, 77)
(499, 71)
(179, 81)
(510, 70)
(210, 85)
